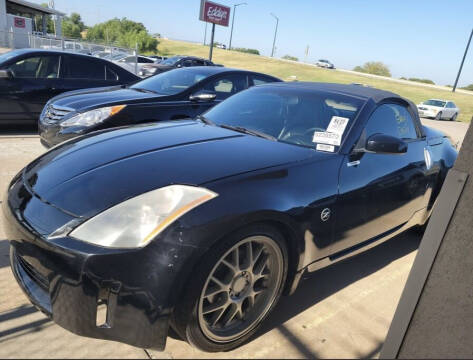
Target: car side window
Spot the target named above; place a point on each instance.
(111, 74)
(227, 86)
(83, 68)
(187, 63)
(391, 119)
(40, 67)
(259, 80)
(453, 105)
(198, 62)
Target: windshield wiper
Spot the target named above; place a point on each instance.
(145, 90)
(249, 131)
(205, 120)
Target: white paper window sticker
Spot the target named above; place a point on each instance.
(326, 148)
(323, 137)
(337, 125)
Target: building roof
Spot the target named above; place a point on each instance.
(37, 7)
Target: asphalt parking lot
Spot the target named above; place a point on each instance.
(339, 312)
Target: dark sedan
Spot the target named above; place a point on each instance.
(29, 78)
(177, 94)
(201, 225)
(174, 62)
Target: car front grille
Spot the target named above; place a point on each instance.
(54, 114)
(39, 279)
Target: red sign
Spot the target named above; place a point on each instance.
(214, 13)
(19, 22)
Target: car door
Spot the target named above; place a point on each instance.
(82, 72)
(378, 193)
(34, 81)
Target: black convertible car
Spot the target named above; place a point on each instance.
(30, 77)
(177, 94)
(202, 225)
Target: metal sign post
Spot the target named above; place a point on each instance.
(212, 42)
(463, 61)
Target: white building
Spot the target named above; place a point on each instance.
(19, 19)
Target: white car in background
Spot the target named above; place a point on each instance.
(324, 64)
(438, 109)
(128, 62)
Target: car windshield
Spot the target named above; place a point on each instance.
(171, 82)
(295, 116)
(437, 103)
(171, 61)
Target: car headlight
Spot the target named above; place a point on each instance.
(92, 117)
(135, 222)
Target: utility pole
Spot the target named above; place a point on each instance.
(212, 41)
(306, 53)
(463, 61)
(275, 33)
(233, 20)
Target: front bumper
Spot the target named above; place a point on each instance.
(52, 134)
(132, 291)
(427, 113)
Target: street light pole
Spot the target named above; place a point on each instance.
(463, 60)
(233, 20)
(275, 32)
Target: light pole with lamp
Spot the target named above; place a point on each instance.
(233, 20)
(275, 33)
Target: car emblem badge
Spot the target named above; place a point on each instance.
(325, 214)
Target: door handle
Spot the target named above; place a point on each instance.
(353, 163)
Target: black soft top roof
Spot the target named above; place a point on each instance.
(355, 90)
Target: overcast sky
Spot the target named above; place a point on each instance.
(419, 38)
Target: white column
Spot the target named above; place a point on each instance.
(3, 15)
(58, 26)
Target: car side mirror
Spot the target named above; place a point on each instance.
(6, 74)
(203, 96)
(385, 144)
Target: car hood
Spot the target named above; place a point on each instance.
(93, 98)
(87, 175)
(429, 107)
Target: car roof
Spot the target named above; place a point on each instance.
(211, 70)
(19, 52)
(360, 91)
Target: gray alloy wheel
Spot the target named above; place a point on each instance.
(439, 116)
(240, 289)
(454, 117)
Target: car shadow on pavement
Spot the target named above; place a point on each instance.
(18, 130)
(315, 287)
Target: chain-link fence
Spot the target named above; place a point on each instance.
(125, 57)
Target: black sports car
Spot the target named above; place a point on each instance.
(202, 225)
(30, 77)
(177, 94)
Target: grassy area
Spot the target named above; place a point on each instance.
(285, 70)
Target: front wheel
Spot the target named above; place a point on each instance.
(233, 290)
(439, 116)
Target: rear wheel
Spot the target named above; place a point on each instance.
(454, 117)
(236, 287)
(439, 116)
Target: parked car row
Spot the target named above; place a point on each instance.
(201, 224)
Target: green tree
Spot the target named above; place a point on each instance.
(469, 87)
(245, 50)
(375, 68)
(289, 57)
(72, 26)
(425, 81)
(125, 33)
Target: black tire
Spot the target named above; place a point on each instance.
(185, 319)
(454, 117)
(439, 116)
